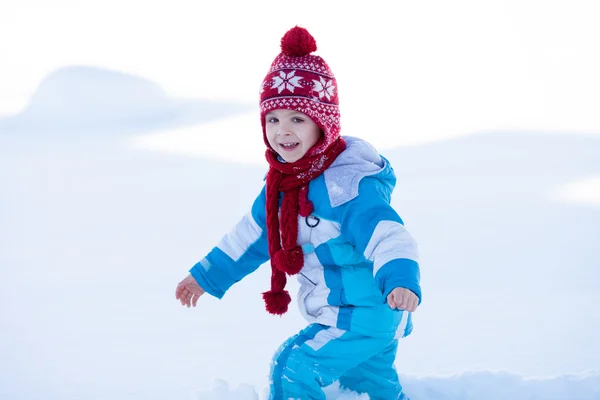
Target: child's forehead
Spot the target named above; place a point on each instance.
(282, 111)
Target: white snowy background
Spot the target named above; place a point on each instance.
(130, 143)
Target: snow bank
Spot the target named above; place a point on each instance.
(481, 385)
(485, 385)
(221, 391)
(91, 99)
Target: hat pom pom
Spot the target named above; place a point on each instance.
(297, 42)
(277, 302)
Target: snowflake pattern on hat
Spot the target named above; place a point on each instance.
(286, 81)
(324, 88)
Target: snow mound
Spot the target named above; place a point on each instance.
(476, 385)
(92, 99)
(221, 391)
(84, 92)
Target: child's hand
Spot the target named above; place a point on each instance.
(188, 291)
(403, 299)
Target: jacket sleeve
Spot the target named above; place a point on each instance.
(372, 225)
(239, 253)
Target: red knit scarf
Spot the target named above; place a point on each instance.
(292, 179)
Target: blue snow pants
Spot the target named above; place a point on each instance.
(319, 355)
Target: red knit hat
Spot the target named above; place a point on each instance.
(303, 82)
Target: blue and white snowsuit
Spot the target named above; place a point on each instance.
(356, 251)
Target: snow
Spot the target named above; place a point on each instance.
(84, 100)
(466, 386)
(503, 385)
(585, 192)
(95, 235)
(111, 188)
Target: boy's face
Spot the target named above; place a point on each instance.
(291, 133)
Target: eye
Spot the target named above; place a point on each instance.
(297, 120)
(272, 120)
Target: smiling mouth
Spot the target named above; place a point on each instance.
(289, 146)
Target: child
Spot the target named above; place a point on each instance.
(324, 215)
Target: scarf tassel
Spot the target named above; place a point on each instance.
(277, 302)
(277, 299)
(289, 261)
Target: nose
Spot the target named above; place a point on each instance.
(284, 130)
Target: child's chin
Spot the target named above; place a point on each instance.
(291, 159)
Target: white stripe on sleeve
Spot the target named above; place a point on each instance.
(241, 237)
(390, 241)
